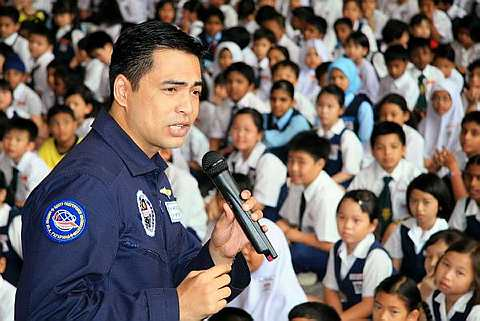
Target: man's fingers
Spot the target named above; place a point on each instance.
(245, 194)
(193, 274)
(217, 270)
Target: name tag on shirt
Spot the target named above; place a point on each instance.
(357, 282)
(174, 211)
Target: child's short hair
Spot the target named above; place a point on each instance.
(231, 314)
(284, 85)
(97, 40)
(365, 199)
(432, 184)
(13, 61)
(23, 124)
(303, 13)
(395, 52)
(286, 64)
(314, 311)
(322, 69)
(471, 117)
(3, 181)
(417, 43)
(10, 12)
(470, 24)
(263, 33)
(309, 142)
(343, 21)
(238, 35)
(395, 99)
(335, 91)
(449, 237)
(242, 68)
(41, 30)
(64, 6)
(267, 13)
(445, 51)
(418, 19)
(393, 30)
(59, 109)
(359, 38)
(387, 128)
(474, 65)
(220, 79)
(282, 49)
(255, 114)
(4, 86)
(319, 23)
(213, 12)
(245, 8)
(87, 96)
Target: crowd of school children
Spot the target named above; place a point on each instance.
(355, 123)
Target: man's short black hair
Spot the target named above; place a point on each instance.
(309, 142)
(314, 311)
(133, 52)
(59, 109)
(41, 30)
(387, 128)
(263, 33)
(393, 30)
(23, 124)
(242, 68)
(97, 40)
(396, 52)
(319, 23)
(11, 12)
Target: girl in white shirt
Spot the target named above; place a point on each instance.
(456, 277)
(81, 100)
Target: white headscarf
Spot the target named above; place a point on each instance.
(235, 50)
(274, 289)
(320, 48)
(307, 83)
(443, 131)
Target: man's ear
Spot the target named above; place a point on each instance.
(121, 90)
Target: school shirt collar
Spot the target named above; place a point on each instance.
(24, 161)
(46, 57)
(282, 121)
(253, 158)
(312, 190)
(243, 102)
(396, 174)
(402, 80)
(335, 130)
(360, 251)
(420, 237)
(459, 306)
(472, 209)
(63, 31)
(134, 158)
(10, 40)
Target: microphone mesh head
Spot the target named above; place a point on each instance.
(213, 163)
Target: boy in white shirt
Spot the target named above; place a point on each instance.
(399, 80)
(99, 46)
(22, 167)
(7, 295)
(308, 215)
(9, 34)
(263, 40)
(389, 175)
(441, 24)
(445, 61)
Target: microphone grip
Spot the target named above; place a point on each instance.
(252, 229)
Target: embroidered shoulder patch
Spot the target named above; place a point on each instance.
(64, 221)
(147, 213)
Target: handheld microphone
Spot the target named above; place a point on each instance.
(216, 168)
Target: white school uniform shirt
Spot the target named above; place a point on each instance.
(380, 20)
(404, 85)
(432, 75)
(39, 73)
(7, 299)
(350, 146)
(367, 31)
(457, 78)
(464, 56)
(403, 12)
(96, 79)
(84, 127)
(414, 143)
(20, 47)
(370, 83)
(268, 170)
(195, 145)
(418, 236)
(32, 170)
(274, 289)
(205, 117)
(458, 220)
(224, 111)
(442, 22)
(15, 235)
(330, 9)
(305, 106)
(371, 178)
(76, 35)
(26, 101)
(459, 306)
(231, 16)
(189, 199)
(291, 46)
(322, 197)
(456, 11)
(249, 56)
(378, 266)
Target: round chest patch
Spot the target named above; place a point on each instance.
(147, 213)
(64, 221)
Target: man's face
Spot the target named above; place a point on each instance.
(161, 111)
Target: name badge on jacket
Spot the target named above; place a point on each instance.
(174, 211)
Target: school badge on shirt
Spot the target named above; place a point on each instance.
(147, 213)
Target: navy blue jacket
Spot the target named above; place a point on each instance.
(99, 242)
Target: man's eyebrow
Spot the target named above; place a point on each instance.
(180, 83)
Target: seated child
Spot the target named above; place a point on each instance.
(80, 99)
(440, 22)
(345, 148)
(389, 175)
(62, 126)
(274, 289)
(357, 263)
(22, 167)
(471, 94)
(7, 292)
(263, 40)
(429, 202)
(308, 213)
(313, 311)
(352, 10)
(226, 53)
(10, 36)
(343, 28)
(312, 55)
(445, 61)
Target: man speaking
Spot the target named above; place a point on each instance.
(102, 238)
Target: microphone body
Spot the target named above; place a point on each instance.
(227, 186)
